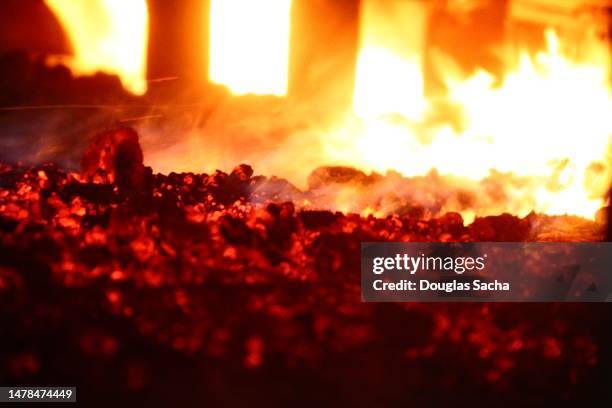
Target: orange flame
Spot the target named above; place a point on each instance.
(388, 73)
(548, 121)
(106, 35)
(249, 45)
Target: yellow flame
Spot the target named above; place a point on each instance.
(389, 79)
(550, 119)
(107, 35)
(548, 122)
(249, 45)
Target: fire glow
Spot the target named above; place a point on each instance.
(110, 36)
(542, 129)
(249, 45)
(547, 123)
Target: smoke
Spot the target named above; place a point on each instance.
(431, 195)
(300, 140)
(276, 136)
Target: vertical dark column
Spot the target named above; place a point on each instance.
(323, 50)
(178, 42)
(30, 25)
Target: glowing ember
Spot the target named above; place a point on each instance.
(190, 274)
(107, 35)
(249, 45)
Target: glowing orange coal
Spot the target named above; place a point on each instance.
(106, 35)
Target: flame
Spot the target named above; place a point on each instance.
(249, 45)
(389, 79)
(107, 35)
(547, 124)
(549, 119)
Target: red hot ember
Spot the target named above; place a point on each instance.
(115, 157)
(218, 279)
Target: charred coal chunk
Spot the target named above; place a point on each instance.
(228, 188)
(8, 224)
(335, 256)
(95, 193)
(281, 225)
(453, 223)
(242, 172)
(501, 228)
(317, 219)
(236, 184)
(326, 175)
(115, 157)
(235, 231)
(50, 176)
(9, 177)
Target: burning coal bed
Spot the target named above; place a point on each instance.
(112, 277)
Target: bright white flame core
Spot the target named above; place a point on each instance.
(249, 45)
(548, 121)
(389, 79)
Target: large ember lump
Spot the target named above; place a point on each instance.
(115, 156)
